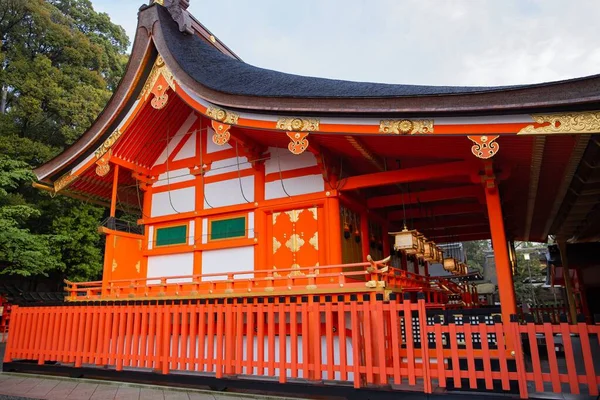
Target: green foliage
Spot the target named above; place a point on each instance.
(59, 62)
(475, 251)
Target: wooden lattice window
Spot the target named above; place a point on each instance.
(171, 235)
(227, 228)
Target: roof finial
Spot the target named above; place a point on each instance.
(179, 13)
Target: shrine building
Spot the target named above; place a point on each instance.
(287, 208)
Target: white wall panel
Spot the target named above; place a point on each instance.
(228, 192)
(188, 150)
(174, 176)
(173, 202)
(176, 138)
(294, 186)
(288, 161)
(228, 260)
(228, 165)
(251, 225)
(171, 265)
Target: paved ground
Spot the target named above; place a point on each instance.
(44, 387)
(27, 386)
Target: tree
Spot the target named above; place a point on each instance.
(59, 62)
(475, 251)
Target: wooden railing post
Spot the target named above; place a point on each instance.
(517, 353)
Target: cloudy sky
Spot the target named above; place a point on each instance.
(433, 42)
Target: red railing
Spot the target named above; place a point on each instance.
(361, 340)
(356, 277)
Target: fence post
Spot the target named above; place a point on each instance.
(424, 342)
(517, 353)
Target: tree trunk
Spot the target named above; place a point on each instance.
(3, 100)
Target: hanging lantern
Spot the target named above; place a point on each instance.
(450, 264)
(439, 254)
(406, 241)
(420, 245)
(357, 236)
(347, 229)
(430, 251)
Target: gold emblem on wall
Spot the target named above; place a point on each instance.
(276, 245)
(294, 243)
(221, 135)
(406, 126)
(114, 265)
(314, 241)
(576, 122)
(298, 124)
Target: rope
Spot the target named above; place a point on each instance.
(237, 159)
(280, 174)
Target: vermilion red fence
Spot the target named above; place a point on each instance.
(345, 339)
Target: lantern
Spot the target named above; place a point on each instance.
(430, 252)
(420, 245)
(450, 264)
(406, 241)
(440, 254)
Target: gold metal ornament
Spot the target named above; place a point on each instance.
(64, 181)
(406, 126)
(108, 143)
(484, 147)
(575, 122)
(298, 124)
(161, 97)
(222, 115)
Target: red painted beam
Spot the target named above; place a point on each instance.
(455, 234)
(426, 196)
(436, 211)
(416, 174)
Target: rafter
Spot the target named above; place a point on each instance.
(537, 153)
(437, 211)
(426, 196)
(429, 172)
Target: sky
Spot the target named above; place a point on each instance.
(429, 42)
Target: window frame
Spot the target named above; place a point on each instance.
(161, 246)
(236, 216)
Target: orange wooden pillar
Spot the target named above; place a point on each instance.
(506, 288)
(332, 205)
(113, 200)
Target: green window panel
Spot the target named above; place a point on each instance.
(228, 228)
(171, 235)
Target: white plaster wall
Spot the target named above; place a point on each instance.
(171, 265)
(228, 165)
(282, 158)
(174, 176)
(251, 225)
(294, 186)
(228, 260)
(150, 236)
(176, 138)
(188, 150)
(173, 202)
(228, 192)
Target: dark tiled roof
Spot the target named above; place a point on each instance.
(217, 71)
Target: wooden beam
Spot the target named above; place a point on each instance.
(429, 172)
(440, 224)
(451, 209)
(537, 154)
(426, 196)
(455, 234)
(360, 146)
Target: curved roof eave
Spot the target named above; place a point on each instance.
(230, 82)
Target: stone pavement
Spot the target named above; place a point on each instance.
(25, 386)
